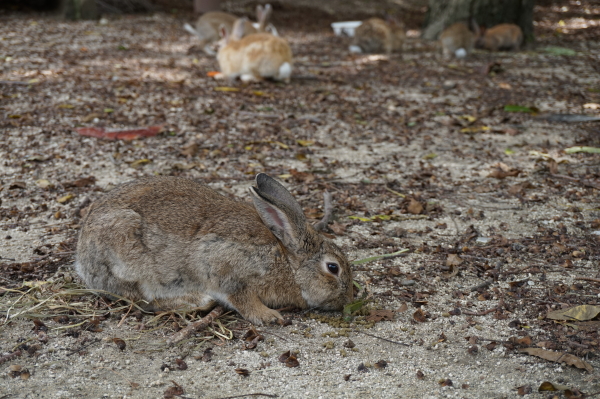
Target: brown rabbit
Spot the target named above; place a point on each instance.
(501, 37)
(457, 40)
(253, 57)
(377, 36)
(209, 25)
(177, 243)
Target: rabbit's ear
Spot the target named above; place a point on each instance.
(279, 210)
(237, 32)
(259, 12)
(266, 14)
(223, 32)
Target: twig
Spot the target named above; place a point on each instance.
(13, 82)
(595, 280)
(395, 192)
(482, 285)
(320, 226)
(249, 394)
(82, 347)
(10, 356)
(482, 313)
(195, 326)
(383, 339)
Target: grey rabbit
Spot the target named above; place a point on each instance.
(177, 243)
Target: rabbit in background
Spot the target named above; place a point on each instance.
(176, 243)
(458, 40)
(501, 37)
(378, 36)
(209, 24)
(253, 57)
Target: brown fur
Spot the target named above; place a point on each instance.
(177, 243)
(502, 37)
(377, 36)
(210, 23)
(254, 57)
(457, 36)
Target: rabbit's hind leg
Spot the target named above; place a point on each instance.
(196, 301)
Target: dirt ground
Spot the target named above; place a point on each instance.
(501, 224)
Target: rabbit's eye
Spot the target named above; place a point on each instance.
(333, 267)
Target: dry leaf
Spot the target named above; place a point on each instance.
(379, 315)
(402, 308)
(577, 313)
(420, 316)
(190, 150)
(453, 260)
(415, 207)
(65, 199)
(559, 357)
(120, 343)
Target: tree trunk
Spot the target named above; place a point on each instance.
(78, 9)
(443, 13)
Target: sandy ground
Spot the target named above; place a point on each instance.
(502, 195)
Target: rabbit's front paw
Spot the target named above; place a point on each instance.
(264, 315)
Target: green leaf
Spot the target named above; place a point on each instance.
(555, 50)
(520, 108)
(590, 150)
(508, 151)
(353, 307)
(378, 257)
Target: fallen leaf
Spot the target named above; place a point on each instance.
(302, 176)
(242, 372)
(139, 163)
(415, 207)
(211, 74)
(119, 134)
(353, 307)
(17, 184)
(226, 89)
(67, 106)
(402, 308)
(420, 316)
(524, 390)
(559, 357)
(577, 313)
(338, 228)
(120, 343)
(453, 260)
(520, 108)
(190, 150)
(501, 174)
(475, 129)
(380, 315)
(590, 150)
(64, 199)
(550, 386)
(174, 391)
(43, 183)
(305, 143)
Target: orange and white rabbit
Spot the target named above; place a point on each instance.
(501, 37)
(253, 57)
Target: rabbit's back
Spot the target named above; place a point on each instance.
(457, 36)
(181, 207)
(259, 54)
(503, 36)
(373, 36)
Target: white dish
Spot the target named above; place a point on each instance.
(345, 27)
